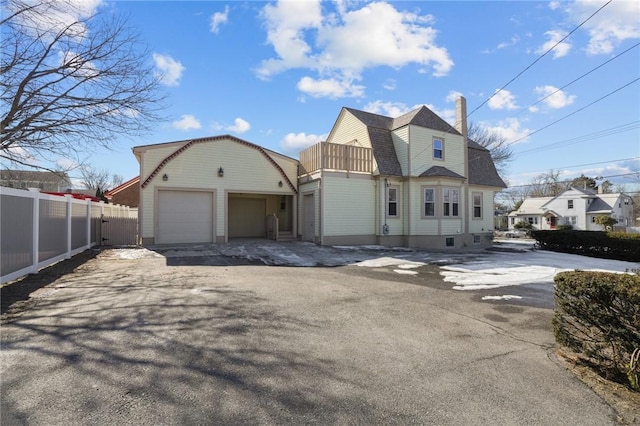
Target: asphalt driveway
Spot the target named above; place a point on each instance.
(144, 340)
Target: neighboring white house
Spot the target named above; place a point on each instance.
(411, 181)
(576, 207)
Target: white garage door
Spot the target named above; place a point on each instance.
(247, 218)
(185, 217)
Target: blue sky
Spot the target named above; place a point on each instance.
(278, 73)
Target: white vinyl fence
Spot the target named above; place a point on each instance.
(37, 230)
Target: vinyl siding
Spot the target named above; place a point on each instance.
(349, 128)
(304, 189)
(421, 151)
(348, 206)
(486, 223)
(245, 170)
(401, 145)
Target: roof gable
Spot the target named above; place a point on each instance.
(424, 117)
(440, 171)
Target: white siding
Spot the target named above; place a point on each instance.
(348, 206)
(304, 189)
(421, 151)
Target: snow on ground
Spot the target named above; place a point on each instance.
(512, 269)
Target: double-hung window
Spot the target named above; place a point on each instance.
(477, 205)
(438, 149)
(450, 202)
(429, 202)
(392, 202)
(569, 204)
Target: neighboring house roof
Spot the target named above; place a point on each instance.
(482, 170)
(531, 206)
(123, 186)
(34, 176)
(440, 171)
(598, 205)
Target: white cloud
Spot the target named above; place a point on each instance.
(218, 19)
(560, 50)
(186, 122)
(510, 129)
(239, 126)
(553, 97)
(295, 142)
(340, 46)
(453, 96)
(389, 84)
(170, 69)
(553, 5)
(66, 163)
(49, 18)
(330, 88)
(502, 100)
(388, 109)
(617, 22)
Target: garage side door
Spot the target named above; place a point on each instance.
(185, 217)
(247, 218)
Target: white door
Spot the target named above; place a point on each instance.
(184, 217)
(308, 233)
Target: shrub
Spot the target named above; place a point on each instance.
(608, 245)
(597, 314)
(568, 227)
(523, 225)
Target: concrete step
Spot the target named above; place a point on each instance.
(286, 236)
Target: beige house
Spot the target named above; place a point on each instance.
(412, 181)
(211, 189)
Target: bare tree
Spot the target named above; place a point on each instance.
(500, 150)
(99, 178)
(547, 184)
(71, 79)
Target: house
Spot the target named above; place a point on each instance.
(126, 194)
(576, 207)
(43, 180)
(411, 181)
(211, 189)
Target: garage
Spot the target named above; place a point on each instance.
(247, 217)
(185, 217)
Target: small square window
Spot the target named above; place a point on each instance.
(476, 239)
(449, 241)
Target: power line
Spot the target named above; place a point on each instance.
(575, 112)
(585, 138)
(539, 58)
(576, 79)
(570, 180)
(592, 164)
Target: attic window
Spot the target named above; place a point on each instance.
(569, 204)
(438, 149)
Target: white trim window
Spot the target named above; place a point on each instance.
(570, 220)
(477, 205)
(569, 204)
(450, 202)
(429, 202)
(392, 201)
(438, 149)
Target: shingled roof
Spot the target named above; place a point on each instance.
(482, 170)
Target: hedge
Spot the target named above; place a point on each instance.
(597, 314)
(608, 245)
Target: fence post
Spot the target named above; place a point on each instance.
(35, 244)
(69, 217)
(88, 223)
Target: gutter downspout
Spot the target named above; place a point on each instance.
(461, 126)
